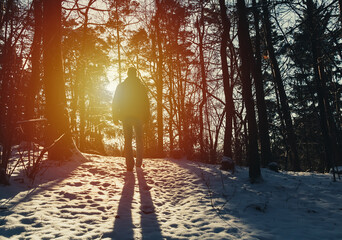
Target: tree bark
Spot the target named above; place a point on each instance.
(160, 147)
(326, 119)
(171, 111)
(34, 83)
(118, 40)
(8, 74)
(56, 112)
(82, 77)
(291, 137)
(200, 30)
(246, 55)
(266, 155)
(227, 85)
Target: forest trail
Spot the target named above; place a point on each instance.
(99, 199)
(168, 199)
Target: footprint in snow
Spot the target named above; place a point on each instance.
(75, 184)
(95, 183)
(71, 196)
(28, 220)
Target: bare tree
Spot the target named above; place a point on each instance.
(159, 82)
(227, 82)
(200, 31)
(34, 84)
(81, 74)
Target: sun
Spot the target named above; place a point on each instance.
(111, 86)
(113, 78)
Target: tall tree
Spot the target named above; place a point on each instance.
(10, 76)
(159, 81)
(285, 110)
(247, 61)
(118, 37)
(227, 82)
(54, 82)
(327, 123)
(34, 84)
(200, 31)
(81, 76)
(266, 155)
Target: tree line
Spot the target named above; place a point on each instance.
(257, 81)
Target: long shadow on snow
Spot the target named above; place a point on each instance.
(123, 224)
(279, 195)
(300, 188)
(149, 222)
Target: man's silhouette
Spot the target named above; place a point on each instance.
(131, 106)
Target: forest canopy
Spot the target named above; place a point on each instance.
(257, 81)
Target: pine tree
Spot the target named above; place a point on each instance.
(285, 110)
(247, 61)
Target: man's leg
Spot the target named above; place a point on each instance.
(138, 127)
(128, 133)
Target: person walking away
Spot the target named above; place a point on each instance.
(131, 106)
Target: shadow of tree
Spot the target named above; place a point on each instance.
(19, 192)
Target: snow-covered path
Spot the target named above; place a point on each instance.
(169, 199)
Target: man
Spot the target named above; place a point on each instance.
(131, 106)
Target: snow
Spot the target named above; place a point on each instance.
(168, 199)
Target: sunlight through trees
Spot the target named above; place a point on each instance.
(255, 81)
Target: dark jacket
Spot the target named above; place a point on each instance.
(131, 101)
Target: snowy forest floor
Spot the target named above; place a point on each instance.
(168, 199)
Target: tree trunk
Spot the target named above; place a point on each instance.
(200, 30)
(291, 137)
(227, 85)
(171, 111)
(118, 40)
(266, 155)
(246, 55)
(82, 78)
(8, 74)
(34, 83)
(326, 119)
(53, 79)
(160, 148)
(237, 141)
(180, 103)
(5, 70)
